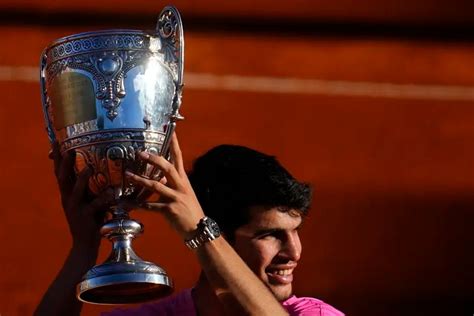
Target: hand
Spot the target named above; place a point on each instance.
(177, 202)
(84, 215)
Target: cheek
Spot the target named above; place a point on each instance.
(264, 253)
(252, 257)
(299, 245)
(257, 254)
(246, 250)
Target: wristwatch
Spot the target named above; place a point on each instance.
(207, 230)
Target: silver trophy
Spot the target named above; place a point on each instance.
(108, 95)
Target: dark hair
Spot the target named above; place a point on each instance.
(230, 179)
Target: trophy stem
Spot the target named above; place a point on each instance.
(121, 230)
(124, 278)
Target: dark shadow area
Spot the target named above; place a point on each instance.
(262, 26)
(413, 255)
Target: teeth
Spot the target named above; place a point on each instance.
(283, 272)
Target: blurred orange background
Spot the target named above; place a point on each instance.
(371, 101)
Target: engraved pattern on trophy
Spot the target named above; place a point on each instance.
(108, 70)
(119, 155)
(108, 95)
(145, 136)
(93, 43)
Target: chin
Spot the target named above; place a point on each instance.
(281, 293)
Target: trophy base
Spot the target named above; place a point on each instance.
(124, 278)
(124, 283)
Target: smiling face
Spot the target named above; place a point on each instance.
(271, 247)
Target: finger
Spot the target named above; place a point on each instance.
(66, 174)
(164, 165)
(79, 190)
(154, 206)
(163, 180)
(151, 184)
(176, 154)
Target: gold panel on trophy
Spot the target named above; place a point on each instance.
(72, 99)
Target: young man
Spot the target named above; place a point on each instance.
(248, 270)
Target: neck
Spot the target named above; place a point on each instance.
(205, 299)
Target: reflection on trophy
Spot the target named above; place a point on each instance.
(107, 96)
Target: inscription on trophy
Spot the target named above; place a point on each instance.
(72, 99)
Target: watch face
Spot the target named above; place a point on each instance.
(212, 226)
(215, 228)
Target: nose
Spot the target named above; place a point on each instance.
(291, 247)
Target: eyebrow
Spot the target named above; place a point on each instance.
(265, 231)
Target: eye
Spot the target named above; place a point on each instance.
(268, 235)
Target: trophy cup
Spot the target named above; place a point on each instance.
(108, 95)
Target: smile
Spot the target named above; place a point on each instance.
(280, 276)
(284, 272)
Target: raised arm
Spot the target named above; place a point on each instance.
(84, 217)
(236, 286)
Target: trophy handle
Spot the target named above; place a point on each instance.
(45, 99)
(170, 30)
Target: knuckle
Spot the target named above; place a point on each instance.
(164, 165)
(150, 184)
(154, 157)
(168, 168)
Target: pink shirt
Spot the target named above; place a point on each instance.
(308, 306)
(182, 304)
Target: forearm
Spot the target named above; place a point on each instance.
(237, 287)
(60, 298)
